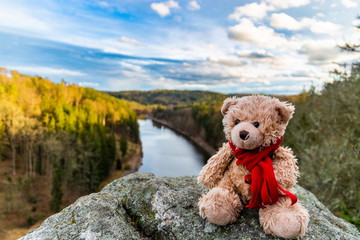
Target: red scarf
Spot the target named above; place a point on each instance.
(265, 190)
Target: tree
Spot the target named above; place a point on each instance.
(349, 69)
(1, 139)
(30, 133)
(123, 146)
(56, 191)
(13, 120)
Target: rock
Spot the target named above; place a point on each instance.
(142, 206)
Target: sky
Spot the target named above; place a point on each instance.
(229, 46)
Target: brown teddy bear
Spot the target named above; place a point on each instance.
(253, 170)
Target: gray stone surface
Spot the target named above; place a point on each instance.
(142, 206)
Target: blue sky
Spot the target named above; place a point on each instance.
(267, 46)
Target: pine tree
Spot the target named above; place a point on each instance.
(56, 191)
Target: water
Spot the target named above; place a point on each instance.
(167, 153)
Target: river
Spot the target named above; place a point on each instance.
(167, 153)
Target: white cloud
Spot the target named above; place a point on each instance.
(185, 44)
(88, 84)
(320, 15)
(284, 89)
(259, 54)
(227, 61)
(172, 4)
(320, 52)
(284, 21)
(44, 71)
(349, 3)
(323, 27)
(215, 72)
(114, 50)
(262, 36)
(129, 40)
(103, 4)
(259, 10)
(21, 18)
(284, 4)
(356, 22)
(163, 8)
(168, 83)
(193, 6)
(132, 67)
(252, 10)
(285, 62)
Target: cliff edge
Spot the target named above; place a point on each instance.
(142, 206)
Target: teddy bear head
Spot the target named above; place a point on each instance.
(255, 121)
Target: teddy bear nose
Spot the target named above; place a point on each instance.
(244, 135)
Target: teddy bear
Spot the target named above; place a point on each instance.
(252, 170)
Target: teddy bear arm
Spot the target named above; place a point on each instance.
(285, 168)
(213, 171)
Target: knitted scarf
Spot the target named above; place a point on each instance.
(265, 190)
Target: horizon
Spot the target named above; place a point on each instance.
(269, 47)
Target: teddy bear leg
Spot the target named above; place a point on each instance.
(284, 220)
(220, 206)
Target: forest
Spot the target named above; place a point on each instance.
(168, 97)
(324, 132)
(57, 142)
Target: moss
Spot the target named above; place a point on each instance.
(339, 225)
(123, 201)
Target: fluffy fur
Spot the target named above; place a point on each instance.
(228, 194)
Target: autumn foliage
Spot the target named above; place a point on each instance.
(67, 135)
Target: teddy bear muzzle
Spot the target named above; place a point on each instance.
(245, 135)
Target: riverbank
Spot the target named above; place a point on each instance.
(196, 140)
(130, 165)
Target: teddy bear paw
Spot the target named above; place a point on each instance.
(285, 222)
(288, 226)
(220, 206)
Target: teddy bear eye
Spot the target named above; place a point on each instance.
(256, 124)
(237, 121)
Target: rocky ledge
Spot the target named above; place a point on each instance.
(142, 206)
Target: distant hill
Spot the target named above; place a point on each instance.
(170, 97)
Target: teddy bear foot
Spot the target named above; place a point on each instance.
(284, 220)
(219, 206)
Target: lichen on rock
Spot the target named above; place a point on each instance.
(142, 206)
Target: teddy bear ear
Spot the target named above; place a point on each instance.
(285, 111)
(227, 103)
